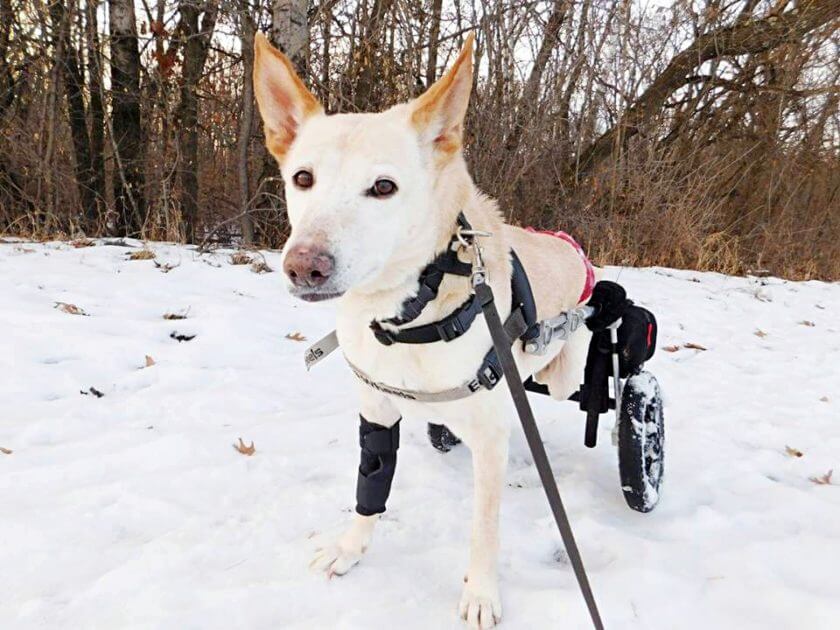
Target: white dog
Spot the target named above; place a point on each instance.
(372, 199)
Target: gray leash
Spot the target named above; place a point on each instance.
(502, 343)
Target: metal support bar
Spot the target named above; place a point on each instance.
(616, 374)
(558, 328)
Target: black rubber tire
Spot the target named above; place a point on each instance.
(442, 438)
(641, 442)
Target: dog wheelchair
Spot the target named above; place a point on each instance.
(623, 339)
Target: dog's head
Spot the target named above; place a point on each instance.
(361, 189)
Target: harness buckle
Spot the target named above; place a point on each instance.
(489, 376)
(449, 330)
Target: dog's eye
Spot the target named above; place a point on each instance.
(382, 187)
(303, 179)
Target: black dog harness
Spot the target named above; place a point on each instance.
(521, 324)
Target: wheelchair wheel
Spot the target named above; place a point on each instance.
(641, 441)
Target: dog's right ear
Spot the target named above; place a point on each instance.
(283, 99)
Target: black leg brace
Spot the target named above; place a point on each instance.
(378, 463)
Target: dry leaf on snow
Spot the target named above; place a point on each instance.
(295, 336)
(149, 361)
(694, 346)
(6, 451)
(670, 348)
(240, 258)
(760, 333)
(71, 309)
(165, 267)
(245, 449)
(793, 452)
(143, 254)
(82, 242)
(824, 399)
(176, 315)
(823, 480)
(807, 323)
(260, 266)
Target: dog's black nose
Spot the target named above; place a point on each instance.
(308, 266)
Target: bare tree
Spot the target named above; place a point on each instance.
(97, 116)
(247, 30)
(61, 15)
(125, 126)
(195, 44)
(745, 37)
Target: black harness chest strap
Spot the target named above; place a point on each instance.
(459, 321)
(450, 327)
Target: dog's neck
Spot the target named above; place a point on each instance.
(384, 298)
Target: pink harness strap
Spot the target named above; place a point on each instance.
(590, 270)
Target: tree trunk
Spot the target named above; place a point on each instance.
(97, 116)
(246, 24)
(290, 30)
(368, 55)
(73, 85)
(434, 42)
(196, 42)
(126, 129)
(7, 81)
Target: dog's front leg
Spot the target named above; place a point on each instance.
(487, 436)
(379, 440)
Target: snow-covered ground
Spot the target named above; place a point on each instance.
(133, 510)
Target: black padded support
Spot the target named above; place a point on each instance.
(376, 469)
(609, 301)
(523, 297)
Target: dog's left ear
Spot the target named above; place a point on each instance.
(438, 113)
(283, 99)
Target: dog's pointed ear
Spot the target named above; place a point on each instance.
(438, 113)
(284, 102)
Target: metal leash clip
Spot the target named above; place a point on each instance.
(468, 238)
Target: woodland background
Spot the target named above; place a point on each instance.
(699, 134)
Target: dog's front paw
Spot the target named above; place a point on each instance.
(481, 605)
(339, 557)
(335, 559)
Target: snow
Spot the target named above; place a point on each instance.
(134, 511)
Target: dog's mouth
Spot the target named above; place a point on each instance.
(317, 296)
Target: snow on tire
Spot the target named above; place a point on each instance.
(641, 441)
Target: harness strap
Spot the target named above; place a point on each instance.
(447, 395)
(446, 262)
(450, 327)
(489, 374)
(459, 321)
